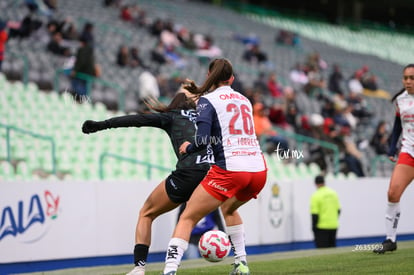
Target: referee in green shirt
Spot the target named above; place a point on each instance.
(325, 210)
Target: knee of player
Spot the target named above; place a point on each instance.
(393, 195)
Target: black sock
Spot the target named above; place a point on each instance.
(140, 254)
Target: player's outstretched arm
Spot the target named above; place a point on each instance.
(91, 126)
(151, 120)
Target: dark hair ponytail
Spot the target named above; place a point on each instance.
(403, 89)
(220, 70)
(180, 101)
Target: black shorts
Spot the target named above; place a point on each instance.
(181, 183)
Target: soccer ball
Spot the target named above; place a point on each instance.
(214, 245)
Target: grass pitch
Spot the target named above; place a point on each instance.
(341, 260)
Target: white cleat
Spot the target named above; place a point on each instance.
(138, 270)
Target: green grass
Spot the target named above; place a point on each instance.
(366, 262)
(341, 260)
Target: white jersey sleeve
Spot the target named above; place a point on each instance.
(405, 107)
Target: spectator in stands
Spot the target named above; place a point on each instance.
(3, 41)
(264, 130)
(254, 54)
(27, 26)
(369, 82)
(354, 83)
(314, 60)
(277, 113)
(87, 34)
(298, 75)
(259, 84)
(186, 38)
(158, 54)
(328, 107)
(122, 57)
(339, 132)
(84, 66)
(169, 85)
(56, 46)
(380, 140)
(127, 13)
(136, 60)
(287, 38)
(248, 39)
(315, 126)
(359, 106)
(343, 116)
(335, 80)
(273, 86)
(68, 29)
(208, 50)
(156, 27)
(353, 156)
(291, 108)
(168, 37)
(174, 57)
(141, 19)
(316, 84)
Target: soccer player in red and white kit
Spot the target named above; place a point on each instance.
(225, 122)
(403, 172)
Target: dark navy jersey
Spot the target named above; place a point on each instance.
(180, 127)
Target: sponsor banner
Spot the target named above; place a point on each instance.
(44, 220)
(60, 220)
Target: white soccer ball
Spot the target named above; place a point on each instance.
(214, 245)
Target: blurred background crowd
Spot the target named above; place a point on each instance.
(308, 93)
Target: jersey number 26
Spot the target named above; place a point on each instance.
(245, 116)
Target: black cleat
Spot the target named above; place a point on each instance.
(387, 245)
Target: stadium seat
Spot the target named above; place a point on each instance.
(6, 170)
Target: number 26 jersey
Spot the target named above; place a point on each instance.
(232, 136)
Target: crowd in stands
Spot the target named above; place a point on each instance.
(343, 107)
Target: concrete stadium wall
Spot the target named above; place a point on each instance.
(45, 220)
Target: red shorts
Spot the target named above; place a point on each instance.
(405, 158)
(223, 184)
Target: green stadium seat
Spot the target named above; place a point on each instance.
(23, 171)
(6, 170)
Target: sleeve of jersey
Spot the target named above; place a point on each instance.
(139, 120)
(395, 135)
(204, 120)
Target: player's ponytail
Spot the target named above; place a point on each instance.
(403, 89)
(179, 102)
(219, 71)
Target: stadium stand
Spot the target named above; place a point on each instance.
(35, 97)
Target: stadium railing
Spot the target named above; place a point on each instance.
(375, 161)
(301, 139)
(148, 165)
(10, 128)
